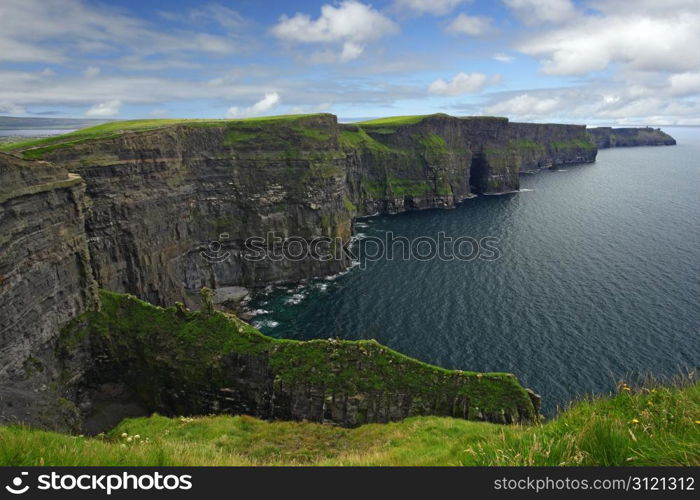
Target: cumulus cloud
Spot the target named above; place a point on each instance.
(434, 7)
(91, 71)
(462, 83)
(532, 12)
(351, 23)
(665, 41)
(103, 109)
(268, 102)
(469, 25)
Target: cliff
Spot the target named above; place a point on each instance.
(162, 191)
(134, 206)
(608, 137)
(178, 362)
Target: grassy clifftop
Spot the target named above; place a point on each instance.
(639, 426)
(36, 148)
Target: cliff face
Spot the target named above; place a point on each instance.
(137, 210)
(608, 137)
(45, 281)
(177, 362)
(161, 197)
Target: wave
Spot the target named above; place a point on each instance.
(265, 323)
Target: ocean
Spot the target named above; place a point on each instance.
(597, 279)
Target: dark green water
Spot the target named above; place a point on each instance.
(599, 279)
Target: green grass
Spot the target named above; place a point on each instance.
(574, 144)
(356, 139)
(433, 143)
(654, 425)
(394, 120)
(36, 148)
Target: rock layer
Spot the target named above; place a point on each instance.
(608, 137)
(45, 281)
(161, 197)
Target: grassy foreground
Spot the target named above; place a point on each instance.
(645, 426)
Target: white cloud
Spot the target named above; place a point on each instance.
(351, 23)
(351, 51)
(434, 7)
(524, 105)
(650, 101)
(107, 108)
(501, 57)
(684, 84)
(666, 41)
(210, 13)
(29, 32)
(461, 83)
(270, 100)
(91, 71)
(469, 25)
(532, 12)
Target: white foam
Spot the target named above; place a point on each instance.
(295, 299)
(265, 323)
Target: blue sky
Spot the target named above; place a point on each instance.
(536, 60)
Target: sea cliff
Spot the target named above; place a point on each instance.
(162, 192)
(131, 206)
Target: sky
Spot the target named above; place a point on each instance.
(596, 62)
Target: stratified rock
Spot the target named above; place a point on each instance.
(45, 281)
(608, 137)
(172, 206)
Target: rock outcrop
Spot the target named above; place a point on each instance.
(608, 137)
(176, 362)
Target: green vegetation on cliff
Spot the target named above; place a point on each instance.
(36, 148)
(160, 349)
(654, 425)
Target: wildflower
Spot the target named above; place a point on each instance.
(129, 439)
(697, 422)
(626, 388)
(137, 436)
(650, 403)
(634, 421)
(124, 434)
